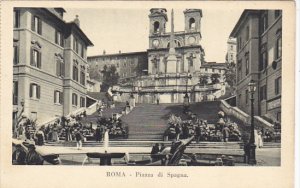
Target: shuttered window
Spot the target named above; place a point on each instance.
(58, 97)
(36, 58)
(36, 25)
(34, 91)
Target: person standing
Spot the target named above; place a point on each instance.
(198, 133)
(79, 138)
(98, 134)
(225, 131)
(154, 152)
(32, 157)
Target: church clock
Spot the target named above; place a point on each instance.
(155, 43)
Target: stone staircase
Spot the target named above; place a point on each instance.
(149, 121)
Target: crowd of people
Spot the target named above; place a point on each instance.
(222, 130)
(21, 156)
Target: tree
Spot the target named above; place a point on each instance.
(203, 79)
(215, 78)
(110, 77)
(230, 74)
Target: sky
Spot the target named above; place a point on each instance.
(128, 29)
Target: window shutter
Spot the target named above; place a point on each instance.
(60, 97)
(38, 91)
(62, 40)
(76, 100)
(54, 96)
(62, 68)
(30, 90)
(40, 27)
(32, 22)
(31, 56)
(39, 63)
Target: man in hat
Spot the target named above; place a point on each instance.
(33, 158)
(19, 155)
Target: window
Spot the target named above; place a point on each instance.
(231, 47)
(34, 91)
(15, 93)
(59, 39)
(82, 77)
(192, 23)
(58, 97)
(156, 27)
(247, 63)
(264, 22)
(213, 70)
(277, 85)
(246, 96)
(36, 58)
(16, 55)
(82, 102)
(16, 18)
(82, 51)
(239, 70)
(36, 25)
(74, 99)
(247, 33)
(263, 58)
(75, 45)
(60, 68)
(75, 70)
(277, 13)
(239, 43)
(263, 93)
(278, 44)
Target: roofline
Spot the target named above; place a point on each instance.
(117, 54)
(241, 21)
(87, 40)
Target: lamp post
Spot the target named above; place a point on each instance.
(252, 157)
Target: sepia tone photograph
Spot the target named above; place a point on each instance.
(146, 87)
(147, 94)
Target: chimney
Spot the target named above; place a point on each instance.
(104, 52)
(76, 20)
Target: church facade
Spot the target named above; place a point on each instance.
(174, 61)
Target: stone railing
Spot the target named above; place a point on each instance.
(245, 118)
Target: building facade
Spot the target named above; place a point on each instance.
(49, 63)
(189, 52)
(231, 51)
(128, 65)
(174, 61)
(259, 52)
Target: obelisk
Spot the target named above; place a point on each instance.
(172, 60)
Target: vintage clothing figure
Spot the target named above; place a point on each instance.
(40, 138)
(225, 132)
(33, 158)
(258, 139)
(79, 138)
(154, 151)
(19, 155)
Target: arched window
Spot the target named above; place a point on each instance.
(177, 44)
(156, 27)
(192, 23)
